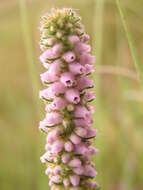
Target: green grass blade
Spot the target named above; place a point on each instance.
(29, 53)
(130, 42)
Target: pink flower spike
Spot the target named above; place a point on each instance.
(68, 122)
(67, 79)
(75, 179)
(84, 82)
(76, 68)
(73, 39)
(72, 95)
(69, 57)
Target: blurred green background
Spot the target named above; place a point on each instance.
(119, 102)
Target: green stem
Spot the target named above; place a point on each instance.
(130, 42)
(29, 53)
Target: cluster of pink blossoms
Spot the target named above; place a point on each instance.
(67, 96)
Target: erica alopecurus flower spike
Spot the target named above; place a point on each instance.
(67, 95)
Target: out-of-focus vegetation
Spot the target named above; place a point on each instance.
(119, 103)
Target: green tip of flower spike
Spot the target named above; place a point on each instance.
(61, 22)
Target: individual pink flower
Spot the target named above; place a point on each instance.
(85, 38)
(91, 109)
(58, 88)
(82, 122)
(88, 96)
(75, 163)
(89, 69)
(75, 139)
(80, 131)
(59, 103)
(57, 170)
(92, 184)
(55, 67)
(67, 79)
(66, 182)
(48, 171)
(65, 158)
(48, 54)
(73, 39)
(69, 57)
(51, 41)
(84, 82)
(48, 77)
(79, 170)
(81, 149)
(53, 118)
(57, 49)
(86, 58)
(52, 135)
(42, 126)
(57, 146)
(68, 146)
(81, 112)
(56, 179)
(72, 95)
(75, 179)
(47, 94)
(82, 47)
(91, 132)
(76, 68)
(90, 171)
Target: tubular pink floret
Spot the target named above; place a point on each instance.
(67, 124)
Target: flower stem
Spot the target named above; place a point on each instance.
(130, 42)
